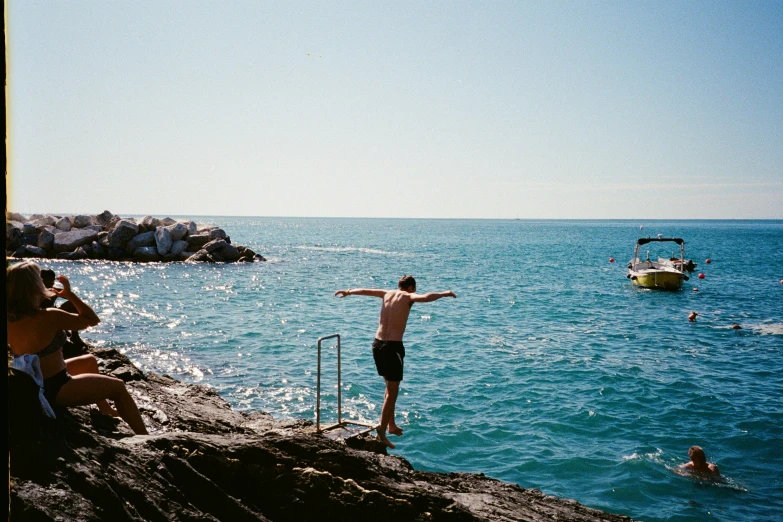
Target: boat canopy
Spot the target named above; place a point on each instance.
(645, 240)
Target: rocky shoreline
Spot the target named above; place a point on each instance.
(110, 237)
(205, 461)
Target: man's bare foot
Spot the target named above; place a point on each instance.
(395, 430)
(382, 438)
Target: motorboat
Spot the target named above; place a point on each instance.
(664, 273)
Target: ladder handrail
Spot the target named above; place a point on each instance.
(318, 387)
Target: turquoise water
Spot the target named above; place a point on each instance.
(549, 370)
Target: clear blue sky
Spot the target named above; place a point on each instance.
(453, 109)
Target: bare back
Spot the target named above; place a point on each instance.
(394, 315)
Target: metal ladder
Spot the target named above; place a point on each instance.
(341, 424)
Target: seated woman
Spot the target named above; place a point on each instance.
(32, 330)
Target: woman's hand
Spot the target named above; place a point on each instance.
(65, 291)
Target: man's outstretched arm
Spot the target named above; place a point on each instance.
(431, 296)
(371, 292)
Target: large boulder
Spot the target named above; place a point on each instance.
(44, 221)
(178, 231)
(15, 216)
(217, 233)
(146, 253)
(64, 224)
(149, 223)
(145, 239)
(105, 219)
(116, 254)
(167, 221)
(202, 256)
(228, 253)
(46, 239)
(82, 221)
(13, 235)
(163, 240)
(215, 245)
(248, 255)
(97, 250)
(29, 251)
(177, 247)
(31, 228)
(77, 255)
(70, 241)
(192, 228)
(29, 239)
(197, 241)
(123, 232)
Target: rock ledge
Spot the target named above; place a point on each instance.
(205, 461)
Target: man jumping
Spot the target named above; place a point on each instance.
(387, 348)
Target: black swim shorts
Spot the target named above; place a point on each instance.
(388, 357)
(53, 384)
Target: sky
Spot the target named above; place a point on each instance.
(442, 109)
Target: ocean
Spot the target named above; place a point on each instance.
(549, 370)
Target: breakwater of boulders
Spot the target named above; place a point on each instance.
(110, 237)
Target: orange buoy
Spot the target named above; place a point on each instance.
(611, 260)
(708, 261)
(701, 276)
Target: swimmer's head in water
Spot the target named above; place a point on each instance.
(697, 455)
(407, 283)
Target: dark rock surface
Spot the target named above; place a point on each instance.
(205, 462)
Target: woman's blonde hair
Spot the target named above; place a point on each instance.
(24, 290)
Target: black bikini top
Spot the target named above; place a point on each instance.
(56, 344)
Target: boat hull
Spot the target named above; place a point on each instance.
(657, 279)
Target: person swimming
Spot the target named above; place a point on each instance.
(698, 464)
